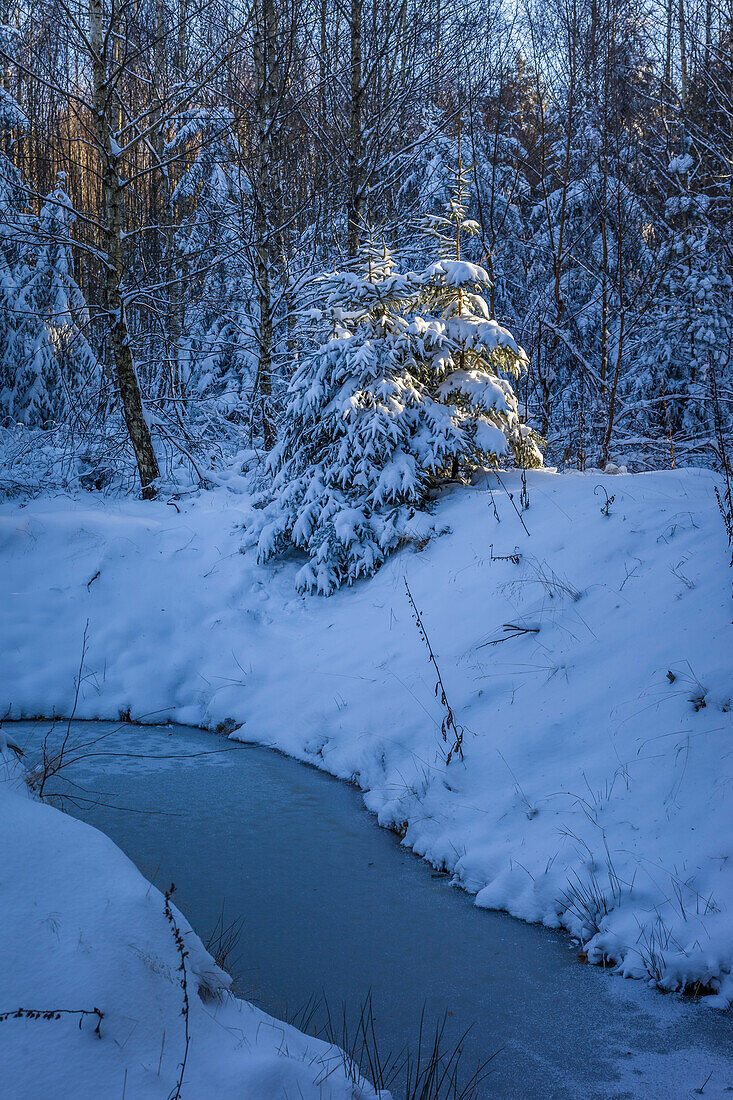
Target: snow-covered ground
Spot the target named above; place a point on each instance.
(588, 660)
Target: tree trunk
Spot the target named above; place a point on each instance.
(265, 48)
(127, 382)
(683, 55)
(357, 181)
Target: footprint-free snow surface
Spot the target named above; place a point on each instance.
(332, 905)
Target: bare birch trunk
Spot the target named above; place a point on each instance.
(112, 186)
(264, 50)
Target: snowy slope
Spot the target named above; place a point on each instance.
(596, 790)
(83, 930)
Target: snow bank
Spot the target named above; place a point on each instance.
(588, 660)
(86, 940)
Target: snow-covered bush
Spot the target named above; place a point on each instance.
(410, 385)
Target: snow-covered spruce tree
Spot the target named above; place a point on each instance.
(361, 434)
(16, 226)
(56, 370)
(217, 357)
(483, 360)
(689, 328)
(390, 403)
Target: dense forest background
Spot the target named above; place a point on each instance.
(174, 173)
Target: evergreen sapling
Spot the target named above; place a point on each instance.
(410, 384)
(361, 431)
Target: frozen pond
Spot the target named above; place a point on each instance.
(332, 905)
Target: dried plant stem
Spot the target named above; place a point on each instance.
(449, 729)
(183, 953)
(54, 1014)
